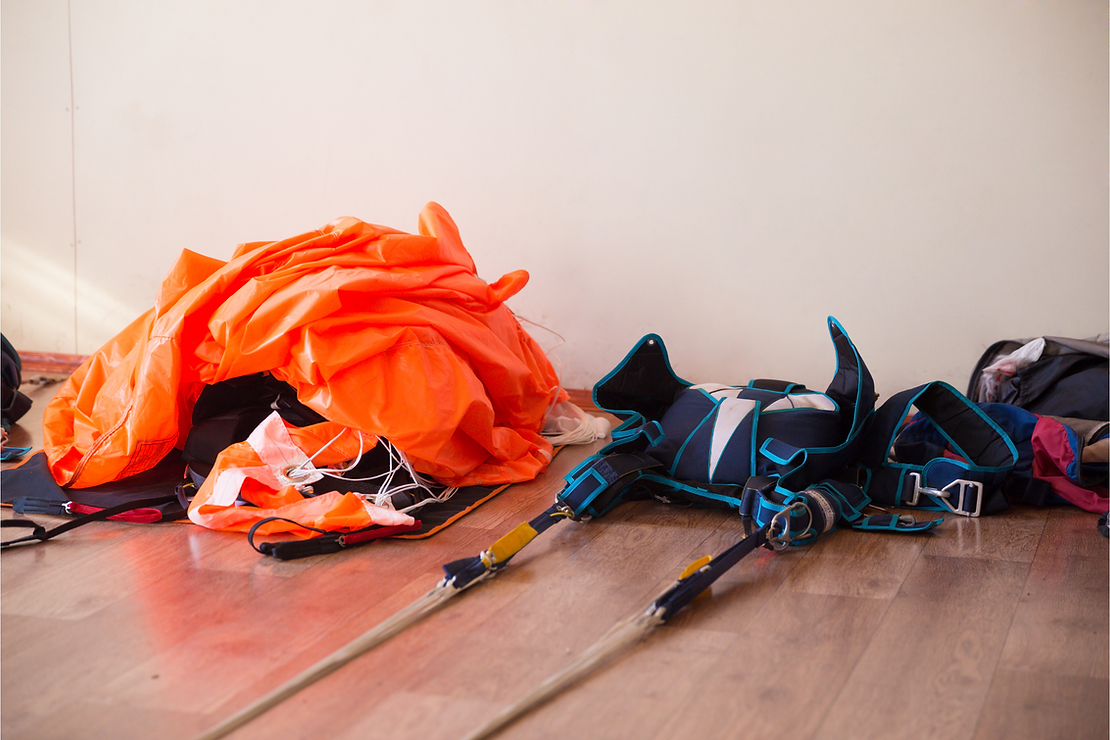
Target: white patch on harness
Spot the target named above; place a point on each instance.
(730, 414)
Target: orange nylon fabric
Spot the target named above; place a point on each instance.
(378, 330)
(329, 444)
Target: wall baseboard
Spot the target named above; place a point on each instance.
(57, 362)
(50, 362)
(583, 398)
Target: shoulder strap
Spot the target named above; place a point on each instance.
(970, 484)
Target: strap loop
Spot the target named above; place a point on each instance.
(597, 484)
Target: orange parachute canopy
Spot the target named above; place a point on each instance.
(383, 332)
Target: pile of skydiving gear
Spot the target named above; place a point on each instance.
(793, 463)
(1052, 395)
(225, 414)
(1049, 376)
(415, 372)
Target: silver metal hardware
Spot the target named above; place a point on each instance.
(959, 486)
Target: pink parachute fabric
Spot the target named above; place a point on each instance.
(382, 332)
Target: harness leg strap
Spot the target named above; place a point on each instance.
(597, 485)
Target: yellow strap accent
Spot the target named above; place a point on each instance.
(512, 543)
(695, 566)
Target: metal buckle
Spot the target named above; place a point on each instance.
(781, 541)
(917, 489)
(964, 486)
(945, 495)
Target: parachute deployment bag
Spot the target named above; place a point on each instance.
(1049, 376)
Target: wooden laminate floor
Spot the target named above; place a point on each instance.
(982, 629)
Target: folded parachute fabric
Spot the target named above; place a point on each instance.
(270, 470)
(387, 335)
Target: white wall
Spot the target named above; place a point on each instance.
(727, 174)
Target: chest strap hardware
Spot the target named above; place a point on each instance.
(944, 495)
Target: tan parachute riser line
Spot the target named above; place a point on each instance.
(695, 579)
(417, 610)
(622, 636)
(501, 550)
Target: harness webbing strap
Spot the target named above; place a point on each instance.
(690, 585)
(464, 572)
(894, 523)
(41, 534)
(595, 486)
(820, 508)
(513, 542)
(970, 486)
(32, 505)
(694, 580)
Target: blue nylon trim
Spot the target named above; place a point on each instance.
(857, 423)
(756, 412)
(828, 450)
(903, 472)
(960, 398)
(620, 365)
(650, 431)
(627, 427)
(732, 501)
(765, 450)
(711, 415)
